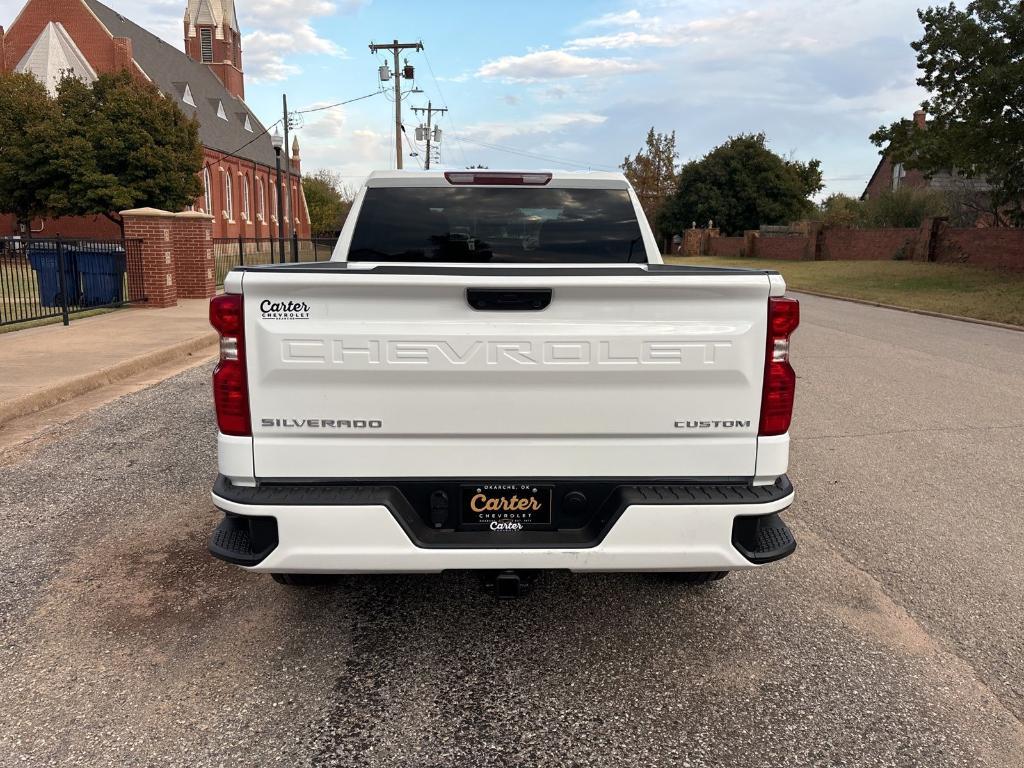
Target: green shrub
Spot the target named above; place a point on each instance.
(903, 208)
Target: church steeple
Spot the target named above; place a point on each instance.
(212, 37)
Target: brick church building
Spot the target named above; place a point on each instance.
(207, 81)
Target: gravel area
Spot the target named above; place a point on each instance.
(891, 638)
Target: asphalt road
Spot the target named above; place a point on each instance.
(893, 637)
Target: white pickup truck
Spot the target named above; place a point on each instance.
(496, 371)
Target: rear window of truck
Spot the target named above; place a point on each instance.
(497, 225)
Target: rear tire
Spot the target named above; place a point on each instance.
(698, 577)
(302, 579)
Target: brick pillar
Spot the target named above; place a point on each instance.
(750, 243)
(928, 236)
(692, 241)
(709, 234)
(192, 238)
(815, 239)
(153, 228)
(123, 54)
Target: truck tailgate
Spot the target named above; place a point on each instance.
(369, 374)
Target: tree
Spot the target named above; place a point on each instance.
(328, 200)
(96, 149)
(125, 145)
(652, 171)
(839, 210)
(29, 124)
(972, 63)
(741, 185)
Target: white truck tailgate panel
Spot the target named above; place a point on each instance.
(654, 375)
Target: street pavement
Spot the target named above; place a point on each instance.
(893, 636)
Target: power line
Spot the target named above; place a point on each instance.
(234, 154)
(339, 104)
(546, 158)
(444, 102)
(273, 125)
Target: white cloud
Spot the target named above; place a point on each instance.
(552, 65)
(493, 132)
(749, 26)
(266, 52)
(623, 40)
(352, 153)
(632, 16)
(655, 32)
(281, 29)
(276, 12)
(329, 124)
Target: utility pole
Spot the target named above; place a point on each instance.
(429, 109)
(398, 74)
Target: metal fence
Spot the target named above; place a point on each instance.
(231, 252)
(58, 277)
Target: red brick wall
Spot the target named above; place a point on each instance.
(988, 247)
(99, 227)
(246, 173)
(693, 242)
(867, 244)
(984, 247)
(726, 246)
(154, 229)
(191, 235)
(791, 248)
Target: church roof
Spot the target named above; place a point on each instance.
(171, 70)
(52, 55)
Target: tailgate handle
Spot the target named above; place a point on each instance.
(501, 299)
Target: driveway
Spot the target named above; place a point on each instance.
(891, 638)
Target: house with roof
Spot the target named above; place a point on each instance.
(890, 176)
(206, 80)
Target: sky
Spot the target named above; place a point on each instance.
(576, 84)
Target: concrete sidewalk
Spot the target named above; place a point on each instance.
(43, 366)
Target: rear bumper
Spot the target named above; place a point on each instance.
(332, 529)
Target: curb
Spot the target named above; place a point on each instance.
(928, 312)
(65, 390)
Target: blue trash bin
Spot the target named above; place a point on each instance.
(102, 273)
(44, 258)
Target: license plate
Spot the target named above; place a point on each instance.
(508, 505)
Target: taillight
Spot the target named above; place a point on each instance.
(230, 390)
(779, 376)
(500, 178)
